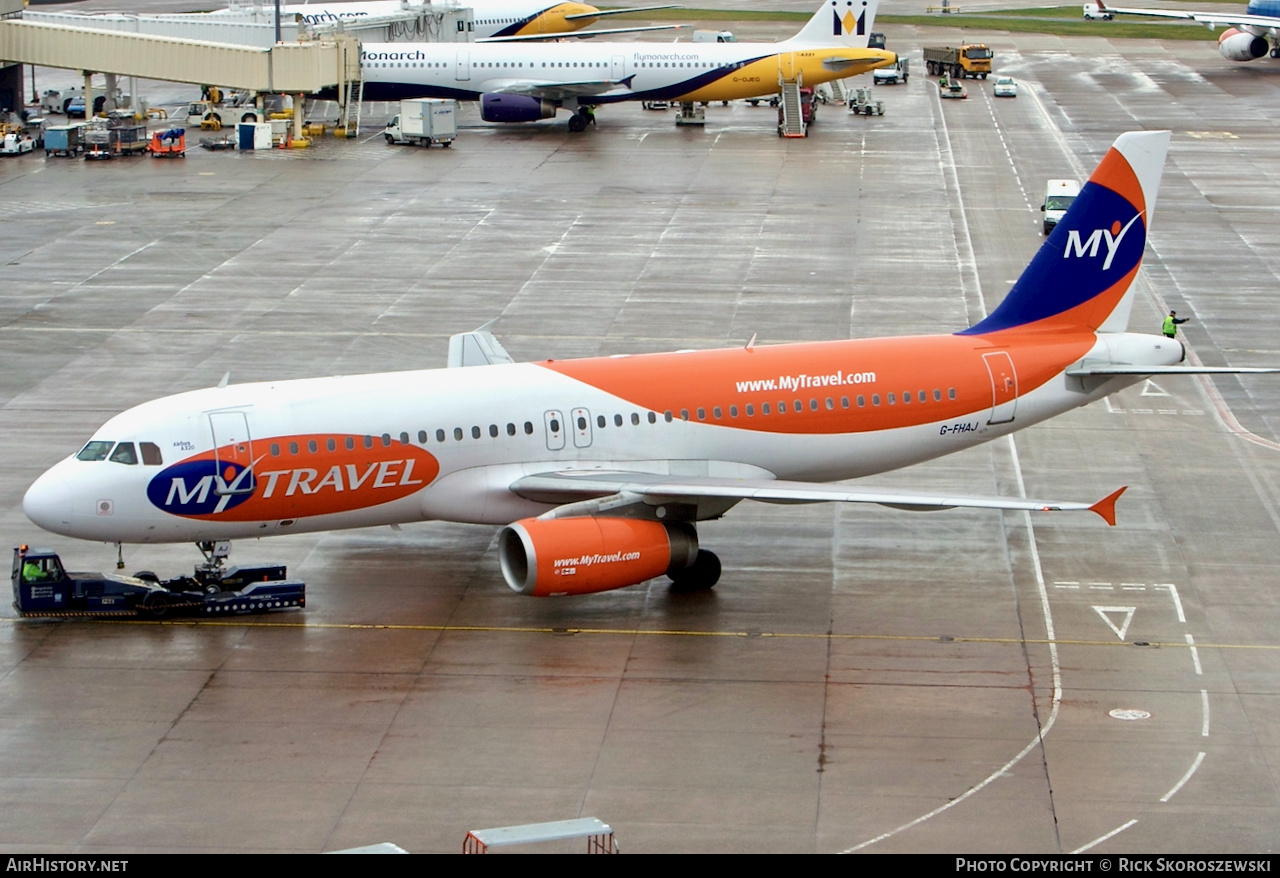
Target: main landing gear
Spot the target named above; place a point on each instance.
(701, 575)
(585, 116)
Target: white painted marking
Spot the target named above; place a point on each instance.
(1204, 712)
(1177, 601)
(1150, 388)
(1111, 408)
(1195, 655)
(1129, 713)
(1186, 777)
(1097, 841)
(1128, 617)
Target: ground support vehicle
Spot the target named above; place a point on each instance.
(16, 144)
(951, 88)
(865, 105)
(42, 587)
(97, 144)
(424, 121)
(62, 140)
(168, 144)
(808, 109)
(899, 72)
(128, 139)
(970, 59)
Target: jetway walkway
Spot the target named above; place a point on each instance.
(289, 68)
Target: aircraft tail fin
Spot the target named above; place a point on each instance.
(842, 22)
(1082, 277)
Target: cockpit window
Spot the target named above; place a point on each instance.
(95, 451)
(124, 453)
(150, 453)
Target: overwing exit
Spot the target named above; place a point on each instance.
(599, 470)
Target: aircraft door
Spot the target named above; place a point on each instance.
(581, 428)
(554, 423)
(462, 67)
(232, 452)
(787, 66)
(618, 70)
(1004, 387)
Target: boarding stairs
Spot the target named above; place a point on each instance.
(839, 94)
(792, 114)
(352, 105)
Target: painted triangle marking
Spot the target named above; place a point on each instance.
(1128, 617)
(1150, 388)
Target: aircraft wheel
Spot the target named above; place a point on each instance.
(577, 123)
(701, 575)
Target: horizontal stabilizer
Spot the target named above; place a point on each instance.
(601, 13)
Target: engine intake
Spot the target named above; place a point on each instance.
(1237, 45)
(586, 555)
(515, 108)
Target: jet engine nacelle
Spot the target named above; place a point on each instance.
(515, 108)
(585, 555)
(1237, 45)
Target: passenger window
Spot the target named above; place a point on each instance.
(404, 438)
(733, 411)
(906, 398)
(150, 453)
(635, 419)
(386, 440)
(830, 404)
(528, 428)
(600, 421)
(782, 407)
(684, 414)
(718, 413)
(951, 393)
(368, 442)
(422, 437)
(275, 450)
(617, 420)
(764, 408)
(702, 414)
(554, 425)
(124, 453)
(95, 451)
(891, 399)
(457, 434)
(293, 447)
(312, 447)
(331, 444)
(475, 432)
(351, 444)
(813, 405)
(439, 435)
(653, 417)
(667, 416)
(493, 431)
(511, 429)
(751, 410)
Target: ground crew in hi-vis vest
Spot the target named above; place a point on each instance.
(1171, 324)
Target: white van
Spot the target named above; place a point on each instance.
(1058, 196)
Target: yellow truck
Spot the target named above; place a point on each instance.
(970, 59)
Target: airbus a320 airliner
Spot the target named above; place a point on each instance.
(526, 82)
(600, 469)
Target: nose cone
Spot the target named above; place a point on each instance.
(48, 501)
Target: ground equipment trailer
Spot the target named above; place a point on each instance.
(970, 59)
(42, 587)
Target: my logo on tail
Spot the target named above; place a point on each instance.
(1113, 236)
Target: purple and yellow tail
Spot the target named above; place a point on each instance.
(1082, 277)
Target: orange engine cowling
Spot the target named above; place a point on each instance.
(585, 555)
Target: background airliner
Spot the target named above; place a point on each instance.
(1249, 35)
(496, 20)
(528, 82)
(600, 469)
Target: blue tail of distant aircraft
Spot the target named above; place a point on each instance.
(1082, 277)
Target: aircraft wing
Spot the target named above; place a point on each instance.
(558, 91)
(476, 348)
(623, 488)
(1085, 371)
(577, 34)
(1209, 19)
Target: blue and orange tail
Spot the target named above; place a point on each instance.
(1082, 277)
